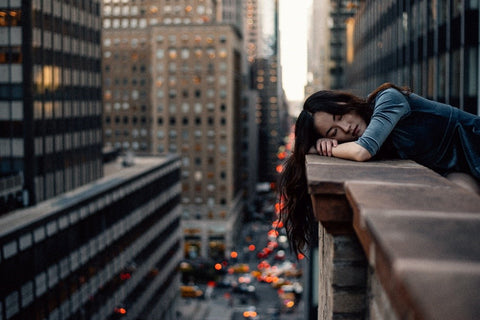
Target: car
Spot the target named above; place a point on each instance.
(190, 292)
(250, 313)
(280, 255)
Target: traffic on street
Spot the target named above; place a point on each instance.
(261, 279)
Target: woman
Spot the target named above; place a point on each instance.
(392, 122)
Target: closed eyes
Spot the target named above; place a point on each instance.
(332, 132)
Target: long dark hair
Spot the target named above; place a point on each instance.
(295, 204)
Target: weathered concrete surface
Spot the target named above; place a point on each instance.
(419, 232)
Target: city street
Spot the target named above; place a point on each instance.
(250, 294)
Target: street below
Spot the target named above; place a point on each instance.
(262, 280)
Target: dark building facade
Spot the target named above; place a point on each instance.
(50, 95)
(431, 46)
(108, 249)
(262, 48)
(341, 13)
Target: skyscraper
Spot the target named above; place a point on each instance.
(173, 84)
(430, 46)
(262, 49)
(50, 96)
(318, 44)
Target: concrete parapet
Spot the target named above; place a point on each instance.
(396, 241)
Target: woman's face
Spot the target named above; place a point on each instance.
(343, 128)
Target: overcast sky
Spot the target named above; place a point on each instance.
(293, 45)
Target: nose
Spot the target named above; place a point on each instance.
(345, 126)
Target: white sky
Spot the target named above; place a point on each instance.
(293, 46)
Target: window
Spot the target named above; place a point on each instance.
(185, 53)
(198, 108)
(172, 53)
(211, 53)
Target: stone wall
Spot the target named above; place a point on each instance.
(396, 241)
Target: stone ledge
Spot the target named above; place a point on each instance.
(420, 232)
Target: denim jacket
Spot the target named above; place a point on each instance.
(436, 135)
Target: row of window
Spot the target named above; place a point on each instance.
(135, 95)
(172, 81)
(63, 43)
(172, 68)
(125, 120)
(161, 148)
(160, 39)
(211, 215)
(67, 141)
(52, 78)
(186, 200)
(126, 10)
(143, 23)
(49, 184)
(66, 109)
(135, 133)
(10, 18)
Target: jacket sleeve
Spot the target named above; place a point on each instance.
(390, 106)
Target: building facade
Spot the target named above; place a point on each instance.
(173, 78)
(430, 46)
(265, 76)
(50, 95)
(318, 47)
(341, 15)
(104, 250)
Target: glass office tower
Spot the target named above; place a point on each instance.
(50, 95)
(431, 46)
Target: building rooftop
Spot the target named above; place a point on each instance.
(115, 174)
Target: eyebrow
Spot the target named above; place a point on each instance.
(326, 134)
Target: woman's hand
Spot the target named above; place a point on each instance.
(324, 146)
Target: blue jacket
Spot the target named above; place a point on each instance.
(436, 135)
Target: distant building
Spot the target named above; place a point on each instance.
(50, 96)
(262, 49)
(431, 46)
(173, 83)
(108, 248)
(341, 15)
(318, 47)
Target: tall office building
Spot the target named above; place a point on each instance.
(318, 47)
(431, 46)
(342, 12)
(263, 54)
(50, 96)
(172, 76)
(107, 250)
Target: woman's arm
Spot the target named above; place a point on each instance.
(348, 150)
(390, 106)
(351, 151)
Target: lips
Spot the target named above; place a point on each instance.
(355, 131)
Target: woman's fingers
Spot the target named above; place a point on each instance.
(325, 145)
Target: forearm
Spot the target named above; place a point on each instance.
(351, 151)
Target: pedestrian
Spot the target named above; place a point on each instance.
(392, 122)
